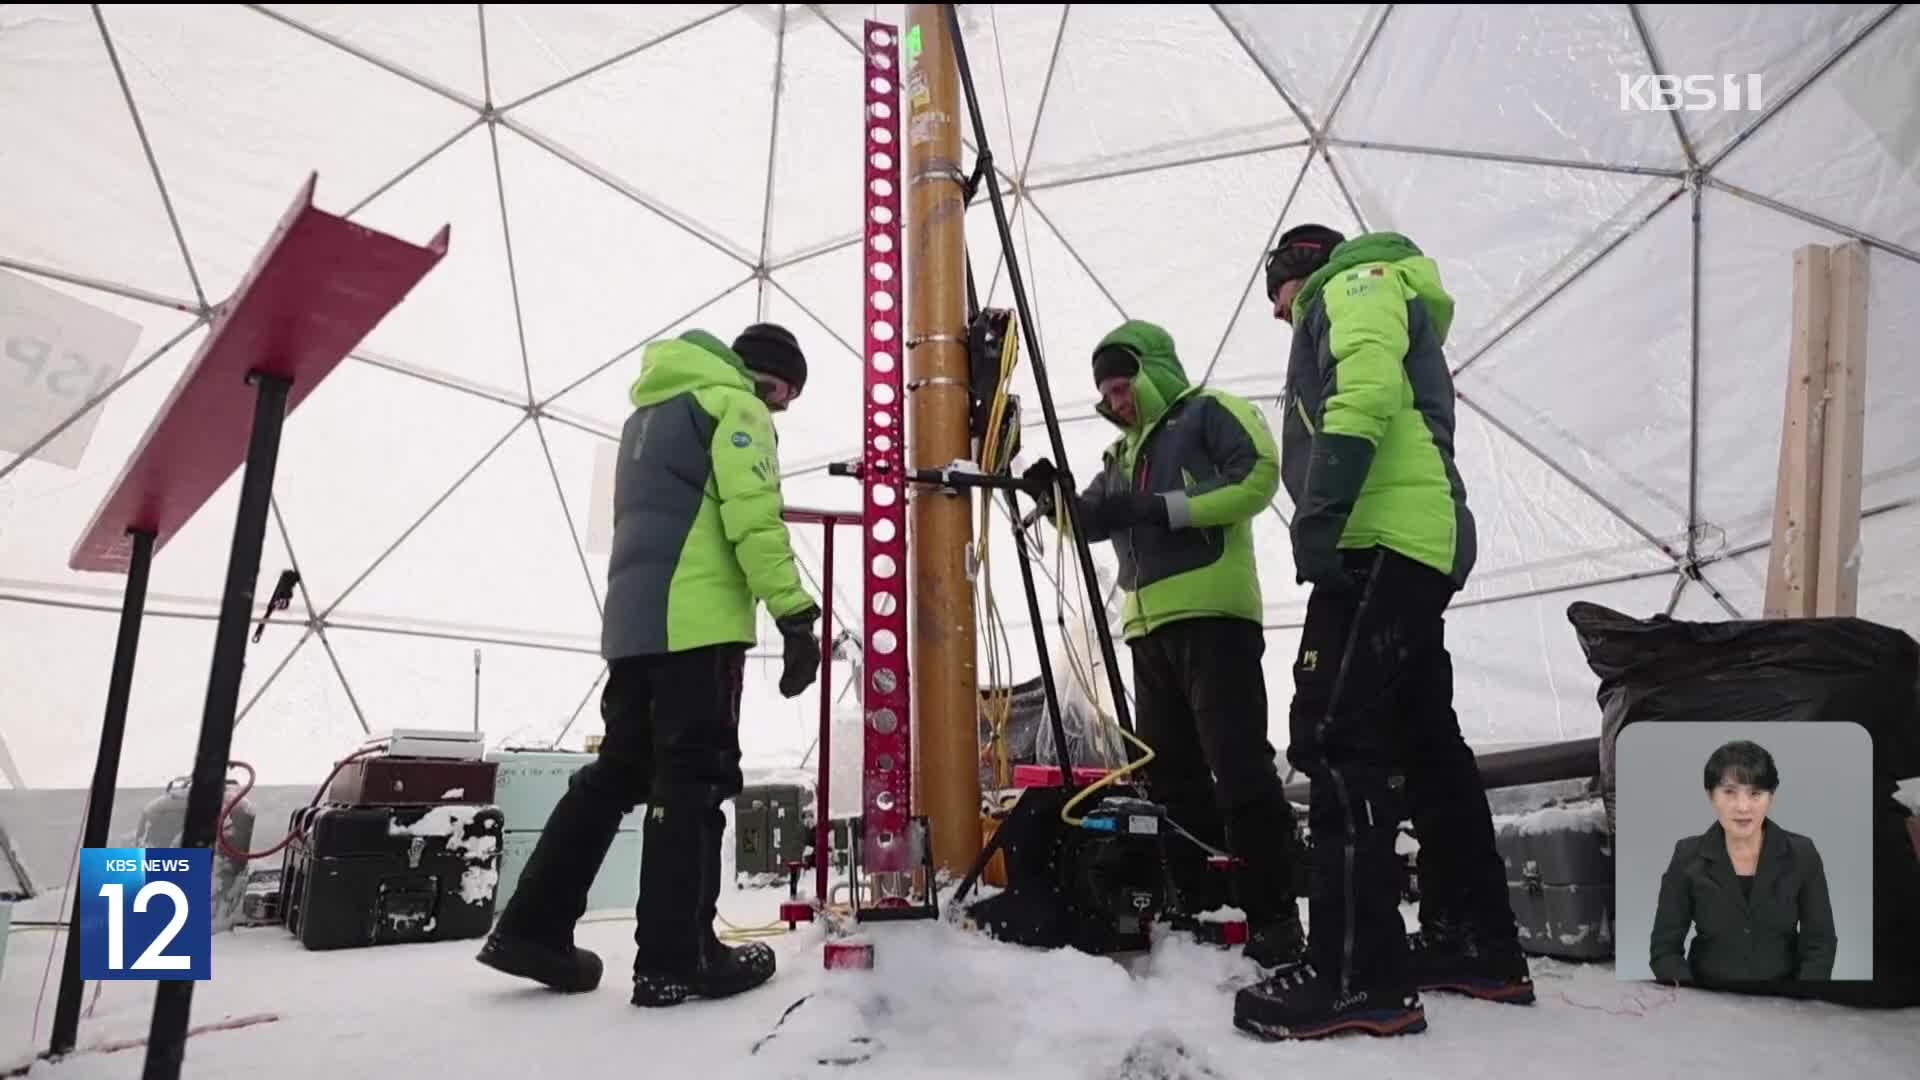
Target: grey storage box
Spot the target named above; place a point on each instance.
(1559, 863)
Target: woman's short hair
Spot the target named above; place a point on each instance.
(1742, 762)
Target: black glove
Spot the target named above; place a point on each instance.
(800, 663)
(1335, 474)
(1127, 509)
(1038, 482)
(1316, 552)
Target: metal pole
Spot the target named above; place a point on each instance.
(1040, 643)
(476, 691)
(821, 803)
(106, 777)
(1121, 711)
(173, 998)
(942, 639)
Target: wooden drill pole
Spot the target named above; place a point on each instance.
(940, 524)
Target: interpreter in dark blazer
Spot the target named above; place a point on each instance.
(1754, 892)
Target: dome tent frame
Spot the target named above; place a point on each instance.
(1685, 555)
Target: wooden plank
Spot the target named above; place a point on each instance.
(1793, 557)
(1843, 434)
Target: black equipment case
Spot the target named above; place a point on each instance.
(1560, 880)
(383, 875)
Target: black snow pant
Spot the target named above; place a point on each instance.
(673, 743)
(1373, 727)
(1201, 702)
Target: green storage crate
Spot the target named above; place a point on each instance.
(769, 828)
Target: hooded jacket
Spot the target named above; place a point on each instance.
(1367, 439)
(1211, 456)
(697, 531)
(1782, 930)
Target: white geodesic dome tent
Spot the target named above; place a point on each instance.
(613, 174)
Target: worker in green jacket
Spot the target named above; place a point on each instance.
(698, 542)
(1382, 531)
(1176, 495)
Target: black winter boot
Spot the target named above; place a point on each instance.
(1443, 957)
(678, 954)
(1276, 942)
(565, 968)
(755, 957)
(1299, 1002)
(534, 936)
(1262, 836)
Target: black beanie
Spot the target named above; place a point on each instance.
(1111, 360)
(770, 349)
(1302, 250)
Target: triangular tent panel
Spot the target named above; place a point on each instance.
(243, 108)
(598, 396)
(303, 715)
(1136, 87)
(531, 50)
(1554, 221)
(1846, 149)
(1544, 382)
(1780, 44)
(1191, 285)
(360, 465)
(1253, 351)
(578, 312)
(460, 572)
(459, 322)
(1458, 78)
(441, 45)
(52, 725)
(668, 117)
(54, 58)
(1508, 696)
(1311, 51)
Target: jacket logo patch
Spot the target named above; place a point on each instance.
(742, 440)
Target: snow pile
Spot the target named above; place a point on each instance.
(1589, 816)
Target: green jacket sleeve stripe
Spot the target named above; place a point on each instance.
(1236, 435)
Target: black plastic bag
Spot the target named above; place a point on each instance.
(1838, 670)
(1755, 670)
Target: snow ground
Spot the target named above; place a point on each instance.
(942, 1002)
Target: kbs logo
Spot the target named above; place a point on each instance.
(146, 913)
(1690, 93)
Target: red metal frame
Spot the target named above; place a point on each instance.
(320, 285)
(828, 520)
(887, 796)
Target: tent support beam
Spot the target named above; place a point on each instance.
(1812, 570)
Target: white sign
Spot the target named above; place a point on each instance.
(56, 354)
(606, 457)
(1689, 93)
